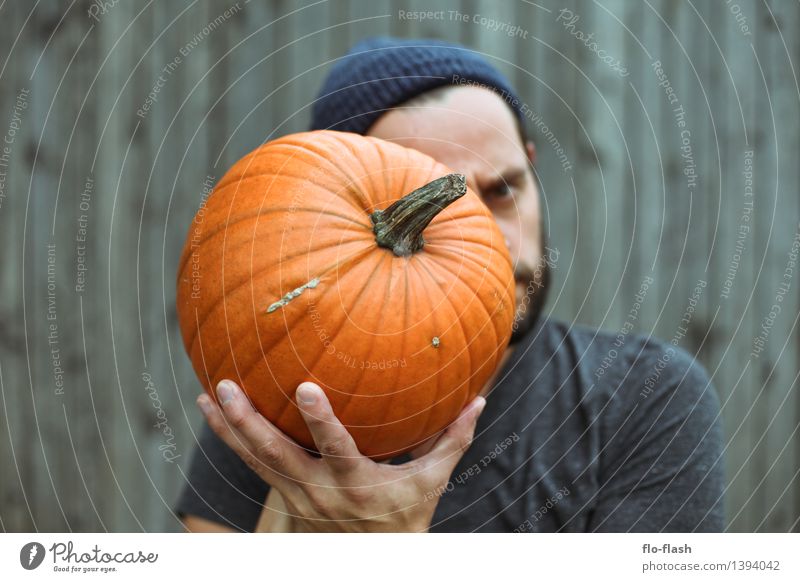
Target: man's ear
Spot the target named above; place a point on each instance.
(530, 150)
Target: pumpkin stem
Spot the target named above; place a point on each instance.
(400, 226)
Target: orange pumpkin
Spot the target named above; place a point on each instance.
(309, 262)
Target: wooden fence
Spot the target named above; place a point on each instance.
(680, 148)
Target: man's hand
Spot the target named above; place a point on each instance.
(342, 490)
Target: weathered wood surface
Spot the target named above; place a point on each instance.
(113, 190)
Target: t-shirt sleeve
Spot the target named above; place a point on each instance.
(662, 467)
(220, 487)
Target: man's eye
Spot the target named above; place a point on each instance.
(505, 190)
(501, 192)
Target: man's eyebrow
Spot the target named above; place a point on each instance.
(509, 176)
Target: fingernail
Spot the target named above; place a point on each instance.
(307, 394)
(479, 406)
(204, 403)
(226, 391)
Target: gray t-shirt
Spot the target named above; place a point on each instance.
(585, 430)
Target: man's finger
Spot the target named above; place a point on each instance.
(334, 443)
(257, 441)
(438, 464)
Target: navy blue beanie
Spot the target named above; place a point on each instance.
(383, 72)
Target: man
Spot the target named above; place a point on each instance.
(566, 441)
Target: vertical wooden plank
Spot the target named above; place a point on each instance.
(644, 110)
(599, 184)
(590, 212)
(467, 35)
(490, 25)
(734, 287)
(549, 85)
(75, 225)
(381, 21)
(720, 146)
(137, 296)
(301, 56)
(114, 349)
(98, 389)
(44, 279)
(414, 28)
(19, 474)
(717, 199)
(755, 382)
(608, 125)
(173, 196)
(281, 37)
(249, 118)
(680, 200)
(700, 175)
(781, 415)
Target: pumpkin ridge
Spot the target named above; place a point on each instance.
(245, 176)
(474, 297)
(287, 401)
(356, 155)
(345, 261)
(335, 336)
(445, 226)
(254, 215)
(467, 343)
(477, 251)
(227, 330)
(468, 214)
(490, 316)
(381, 312)
(475, 242)
(477, 299)
(387, 174)
(444, 292)
(451, 305)
(203, 356)
(293, 156)
(406, 165)
(311, 148)
(316, 358)
(240, 376)
(466, 255)
(446, 221)
(449, 301)
(265, 173)
(249, 241)
(251, 366)
(429, 408)
(476, 265)
(259, 272)
(247, 365)
(339, 328)
(393, 394)
(238, 286)
(469, 391)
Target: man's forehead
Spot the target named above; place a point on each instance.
(471, 107)
(470, 129)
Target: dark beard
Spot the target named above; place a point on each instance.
(537, 284)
